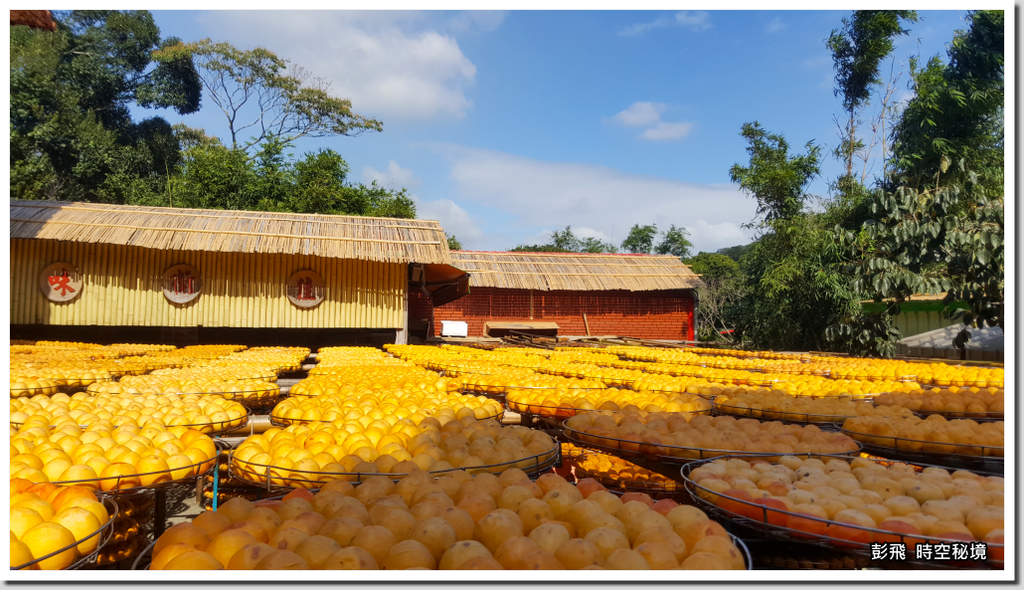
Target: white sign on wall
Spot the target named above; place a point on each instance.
(60, 282)
(306, 289)
(182, 283)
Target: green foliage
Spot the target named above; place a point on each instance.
(640, 239)
(773, 177)
(938, 224)
(275, 178)
(377, 201)
(956, 115)
(718, 300)
(932, 242)
(264, 95)
(213, 177)
(566, 241)
(793, 289)
(454, 243)
(736, 252)
(676, 241)
(857, 49)
(72, 136)
(715, 267)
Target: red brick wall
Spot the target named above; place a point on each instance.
(665, 315)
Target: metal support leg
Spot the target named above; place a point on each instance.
(160, 512)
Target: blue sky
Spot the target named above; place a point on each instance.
(507, 125)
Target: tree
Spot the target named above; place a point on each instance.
(715, 266)
(275, 179)
(640, 239)
(454, 243)
(773, 177)
(736, 252)
(262, 95)
(722, 292)
(212, 176)
(676, 241)
(793, 288)
(540, 248)
(857, 49)
(956, 115)
(566, 241)
(320, 185)
(380, 202)
(72, 135)
(938, 224)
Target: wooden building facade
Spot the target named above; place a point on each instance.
(574, 294)
(242, 261)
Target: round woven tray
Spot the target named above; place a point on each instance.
(105, 533)
(708, 500)
(971, 457)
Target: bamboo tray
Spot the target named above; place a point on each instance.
(823, 421)
(50, 388)
(758, 518)
(559, 412)
(145, 557)
(970, 457)
(628, 449)
(120, 485)
(284, 422)
(269, 476)
(105, 533)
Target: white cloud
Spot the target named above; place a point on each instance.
(817, 63)
(483, 20)
(664, 131)
(586, 232)
(695, 20)
(708, 237)
(531, 196)
(648, 114)
(775, 26)
(390, 64)
(395, 177)
(640, 114)
(455, 220)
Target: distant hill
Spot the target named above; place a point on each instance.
(735, 252)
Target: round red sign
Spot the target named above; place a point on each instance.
(306, 289)
(182, 283)
(60, 282)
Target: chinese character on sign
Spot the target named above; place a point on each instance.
(923, 551)
(979, 551)
(305, 289)
(897, 551)
(62, 283)
(879, 551)
(960, 551)
(942, 551)
(182, 284)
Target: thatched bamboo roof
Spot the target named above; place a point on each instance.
(329, 236)
(575, 272)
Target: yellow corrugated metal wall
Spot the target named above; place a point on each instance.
(121, 287)
(912, 323)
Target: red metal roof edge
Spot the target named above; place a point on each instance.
(566, 253)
